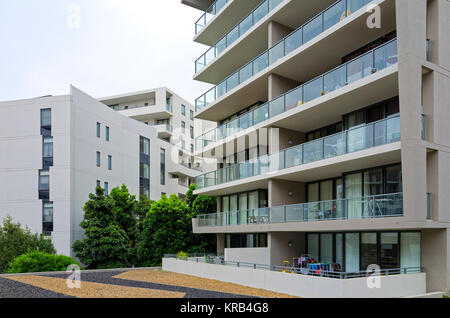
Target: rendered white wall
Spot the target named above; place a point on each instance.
(248, 255)
(300, 285)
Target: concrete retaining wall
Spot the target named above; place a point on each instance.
(300, 285)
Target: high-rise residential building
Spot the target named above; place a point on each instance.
(55, 151)
(332, 136)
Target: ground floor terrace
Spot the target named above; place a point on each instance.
(345, 254)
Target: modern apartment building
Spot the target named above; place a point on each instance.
(55, 150)
(173, 118)
(332, 135)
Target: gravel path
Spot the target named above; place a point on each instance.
(13, 289)
(107, 278)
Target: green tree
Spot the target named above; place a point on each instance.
(125, 212)
(15, 241)
(167, 230)
(107, 244)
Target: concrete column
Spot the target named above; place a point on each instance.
(438, 28)
(281, 250)
(282, 192)
(279, 85)
(220, 244)
(411, 29)
(414, 158)
(436, 259)
(277, 32)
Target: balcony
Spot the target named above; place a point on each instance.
(236, 32)
(352, 71)
(375, 134)
(214, 9)
(220, 17)
(312, 29)
(164, 131)
(368, 207)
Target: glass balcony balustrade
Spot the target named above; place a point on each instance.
(359, 138)
(236, 32)
(377, 206)
(210, 13)
(317, 25)
(352, 71)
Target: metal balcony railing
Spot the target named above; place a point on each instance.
(352, 71)
(214, 9)
(317, 25)
(375, 134)
(378, 206)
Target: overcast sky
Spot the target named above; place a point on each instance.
(116, 46)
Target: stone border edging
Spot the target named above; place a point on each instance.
(84, 271)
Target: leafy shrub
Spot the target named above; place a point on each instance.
(36, 261)
(182, 256)
(15, 241)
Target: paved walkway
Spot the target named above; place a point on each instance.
(98, 284)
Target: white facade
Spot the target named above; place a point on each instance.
(74, 174)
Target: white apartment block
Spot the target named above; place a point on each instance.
(332, 140)
(55, 150)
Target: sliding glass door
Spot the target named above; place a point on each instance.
(353, 193)
(352, 252)
(389, 251)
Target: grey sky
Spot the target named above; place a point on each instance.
(120, 46)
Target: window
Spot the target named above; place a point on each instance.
(145, 171)
(99, 184)
(107, 133)
(46, 122)
(98, 159)
(183, 127)
(44, 180)
(47, 153)
(192, 132)
(48, 147)
(145, 146)
(44, 185)
(191, 114)
(183, 144)
(246, 241)
(115, 107)
(183, 110)
(106, 188)
(46, 117)
(109, 162)
(98, 130)
(47, 218)
(192, 148)
(163, 166)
